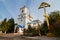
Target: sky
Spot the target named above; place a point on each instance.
(11, 8)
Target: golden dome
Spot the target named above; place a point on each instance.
(30, 16)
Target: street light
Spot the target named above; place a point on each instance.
(44, 5)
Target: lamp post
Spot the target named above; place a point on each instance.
(44, 5)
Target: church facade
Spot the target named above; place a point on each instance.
(25, 19)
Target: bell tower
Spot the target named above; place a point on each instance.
(24, 18)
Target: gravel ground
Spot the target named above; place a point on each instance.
(19, 37)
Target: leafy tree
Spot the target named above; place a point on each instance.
(53, 17)
(31, 31)
(44, 28)
(7, 26)
(54, 21)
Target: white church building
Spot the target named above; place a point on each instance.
(25, 19)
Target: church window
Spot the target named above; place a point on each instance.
(22, 11)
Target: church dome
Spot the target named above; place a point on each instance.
(30, 16)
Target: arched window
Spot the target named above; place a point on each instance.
(22, 11)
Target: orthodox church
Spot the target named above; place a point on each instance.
(25, 19)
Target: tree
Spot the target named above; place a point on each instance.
(7, 26)
(53, 17)
(44, 28)
(10, 25)
(4, 27)
(31, 31)
(54, 21)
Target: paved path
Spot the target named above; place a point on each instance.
(18, 37)
(44, 38)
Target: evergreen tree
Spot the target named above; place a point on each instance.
(7, 26)
(11, 25)
(4, 27)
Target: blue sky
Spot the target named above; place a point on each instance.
(11, 8)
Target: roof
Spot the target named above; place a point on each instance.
(34, 21)
(20, 26)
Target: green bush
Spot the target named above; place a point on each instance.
(30, 31)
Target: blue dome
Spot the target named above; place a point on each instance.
(20, 26)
